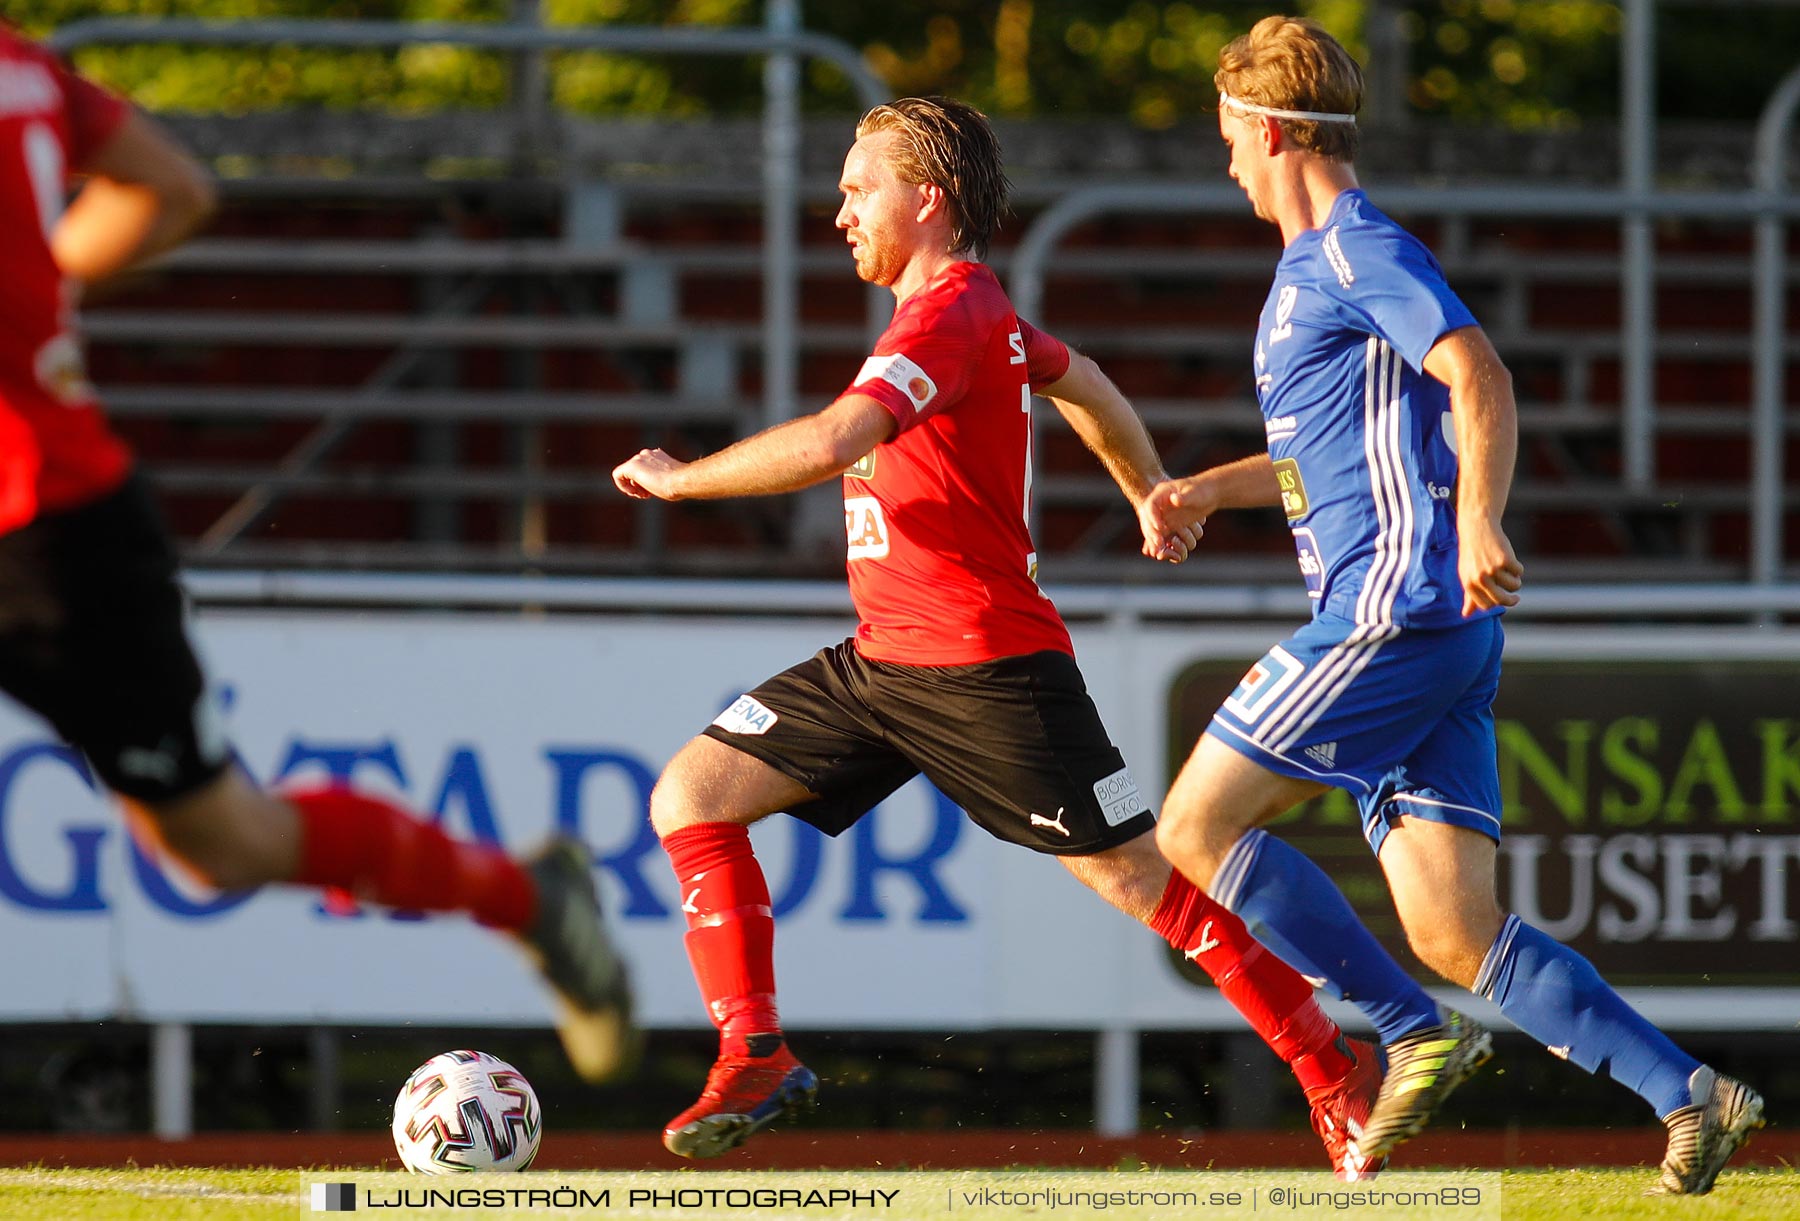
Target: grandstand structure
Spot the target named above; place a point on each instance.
(422, 343)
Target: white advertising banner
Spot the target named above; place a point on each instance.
(509, 727)
(512, 726)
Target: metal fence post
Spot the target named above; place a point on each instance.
(1115, 1081)
(1637, 279)
(530, 77)
(172, 1080)
(1768, 406)
(781, 194)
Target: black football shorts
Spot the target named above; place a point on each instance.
(92, 638)
(1016, 742)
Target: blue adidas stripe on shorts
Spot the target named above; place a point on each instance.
(1401, 718)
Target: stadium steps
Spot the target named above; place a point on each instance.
(448, 344)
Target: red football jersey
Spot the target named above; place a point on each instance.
(56, 450)
(942, 569)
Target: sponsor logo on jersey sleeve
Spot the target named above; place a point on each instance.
(900, 371)
(1334, 254)
(1118, 797)
(1264, 683)
(1293, 488)
(746, 716)
(1312, 561)
(865, 526)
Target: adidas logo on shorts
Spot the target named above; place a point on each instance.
(1324, 754)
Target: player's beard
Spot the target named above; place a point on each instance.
(877, 263)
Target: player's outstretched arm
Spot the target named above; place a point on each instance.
(144, 194)
(1244, 484)
(785, 458)
(1109, 426)
(1487, 444)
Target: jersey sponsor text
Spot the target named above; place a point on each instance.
(1118, 797)
(1312, 562)
(1293, 488)
(865, 527)
(746, 715)
(1334, 255)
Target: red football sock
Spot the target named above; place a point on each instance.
(379, 853)
(731, 931)
(1273, 997)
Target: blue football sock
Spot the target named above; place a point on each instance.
(1292, 907)
(1554, 995)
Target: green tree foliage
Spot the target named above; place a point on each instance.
(1151, 62)
(234, 80)
(1521, 63)
(592, 82)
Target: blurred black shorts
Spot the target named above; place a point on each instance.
(92, 638)
(1016, 742)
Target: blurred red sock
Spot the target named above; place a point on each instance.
(378, 853)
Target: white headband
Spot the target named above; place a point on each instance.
(1316, 116)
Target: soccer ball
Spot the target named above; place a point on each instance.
(466, 1110)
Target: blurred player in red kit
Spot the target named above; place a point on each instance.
(92, 635)
(961, 668)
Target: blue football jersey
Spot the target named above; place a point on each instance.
(1360, 435)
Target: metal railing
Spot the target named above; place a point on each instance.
(1121, 605)
(1635, 204)
(1639, 420)
(781, 44)
(1768, 406)
(1770, 347)
(673, 40)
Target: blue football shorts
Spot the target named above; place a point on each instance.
(1400, 718)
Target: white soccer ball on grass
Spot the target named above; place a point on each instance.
(466, 1110)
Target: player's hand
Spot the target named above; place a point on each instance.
(1172, 516)
(1491, 574)
(1174, 547)
(647, 473)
